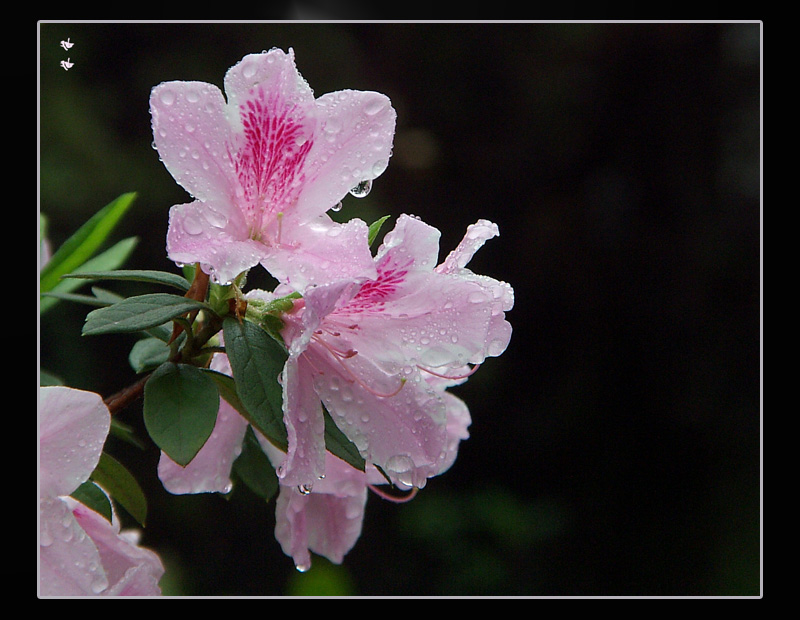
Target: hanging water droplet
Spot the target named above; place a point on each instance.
(337, 207)
(304, 489)
(362, 189)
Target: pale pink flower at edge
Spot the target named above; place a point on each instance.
(81, 553)
(377, 353)
(265, 166)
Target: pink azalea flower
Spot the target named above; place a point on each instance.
(377, 353)
(265, 166)
(327, 519)
(81, 553)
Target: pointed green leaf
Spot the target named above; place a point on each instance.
(257, 361)
(180, 410)
(339, 445)
(254, 468)
(92, 496)
(110, 259)
(120, 484)
(153, 277)
(76, 250)
(375, 228)
(139, 313)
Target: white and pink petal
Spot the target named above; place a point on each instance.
(73, 425)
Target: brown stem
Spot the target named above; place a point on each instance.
(117, 402)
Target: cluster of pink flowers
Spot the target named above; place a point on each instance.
(376, 340)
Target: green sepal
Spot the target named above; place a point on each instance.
(180, 409)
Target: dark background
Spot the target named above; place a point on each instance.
(615, 446)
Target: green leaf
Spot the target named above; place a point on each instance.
(110, 259)
(257, 361)
(253, 467)
(84, 242)
(139, 313)
(375, 228)
(337, 443)
(180, 409)
(89, 494)
(136, 275)
(112, 476)
(147, 354)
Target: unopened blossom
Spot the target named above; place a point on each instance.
(368, 349)
(264, 163)
(80, 552)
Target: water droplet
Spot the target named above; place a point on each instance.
(192, 226)
(362, 189)
(99, 584)
(249, 69)
(337, 207)
(304, 489)
(303, 567)
(375, 106)
(401, 467)
(333, 126)
(167, 97)
(379, 167)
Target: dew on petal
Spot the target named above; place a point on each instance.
(249, 69)
(402, 467)
(167, 97)
(192, 226)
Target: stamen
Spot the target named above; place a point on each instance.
(279, 217)
(394, 498)
(456, 378)
(340, 356)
